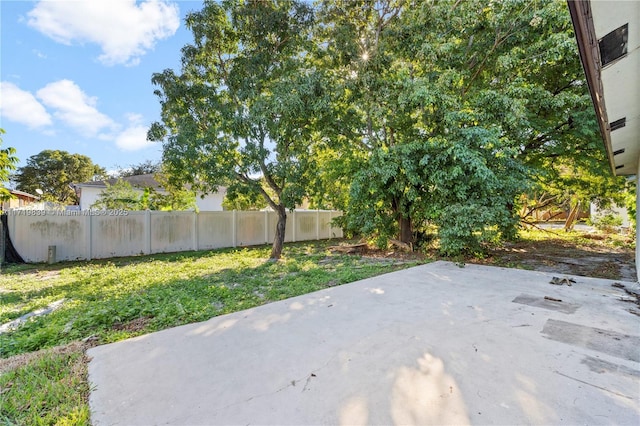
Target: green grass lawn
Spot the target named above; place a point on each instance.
(107, 301)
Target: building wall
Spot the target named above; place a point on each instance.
(211, 202)
(637, 225)
(16, 202)
(88, 196)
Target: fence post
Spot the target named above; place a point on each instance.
(293, 223)
(233, 227)
(147, 232)
(317, 224)
(194, 229)
(88, 236)
(266, 226)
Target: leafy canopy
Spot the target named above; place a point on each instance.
(8, 162)
(410, 116)
(425, 152)
(243, 110)
(143, 168)
(122, 195)
(54, 172)
(448, 111)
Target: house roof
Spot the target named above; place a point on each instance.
(138, 181)
(23, 194)
(608, 36)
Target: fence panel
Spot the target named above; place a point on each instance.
(250, 228)
(90, 235)
(306, 225)
(215, 230)
(32, 236)
(172, 231)
(271, 228)
(324, 225)
(113, 236)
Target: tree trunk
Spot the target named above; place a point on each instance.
(278, 241)
(405, 230)
(571, 218)
(405, 227)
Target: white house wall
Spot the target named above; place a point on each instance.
(89, 195)
(211, 202)
(637, 225)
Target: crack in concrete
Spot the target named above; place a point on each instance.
(292, 383)
(595, 386)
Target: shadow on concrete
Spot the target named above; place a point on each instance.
(434, 344)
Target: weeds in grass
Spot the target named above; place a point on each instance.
(111, 300)
(620, 240)
(167, 290)
(50, 387)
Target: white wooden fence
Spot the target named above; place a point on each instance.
(103, 234)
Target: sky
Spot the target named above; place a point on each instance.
(76, 75)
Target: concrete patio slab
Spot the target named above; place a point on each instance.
(434, 344)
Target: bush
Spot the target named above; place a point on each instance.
(606, 223)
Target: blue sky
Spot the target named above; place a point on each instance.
(76, 75)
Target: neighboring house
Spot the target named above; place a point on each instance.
(620, 213)
(19, 199)
(89, 192)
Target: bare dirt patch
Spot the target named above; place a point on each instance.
(590, 257)
(21, 360)
(133, 325)
(586, 254)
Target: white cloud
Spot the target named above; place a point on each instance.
(134, 118)
(123, 29)
(73, 107)
(22, 107)
(133, 138)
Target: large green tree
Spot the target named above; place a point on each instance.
(540, 97)
(54, 172)
(425, 154)
(455, 109)
(8, 162)
(243, 110)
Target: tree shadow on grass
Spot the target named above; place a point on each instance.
(103, 308)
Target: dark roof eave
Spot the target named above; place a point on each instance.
(582, 20)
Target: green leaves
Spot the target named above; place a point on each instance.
(54, 172)
(8, 162)
(246, 104)
(404, 114)
(122, 195)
